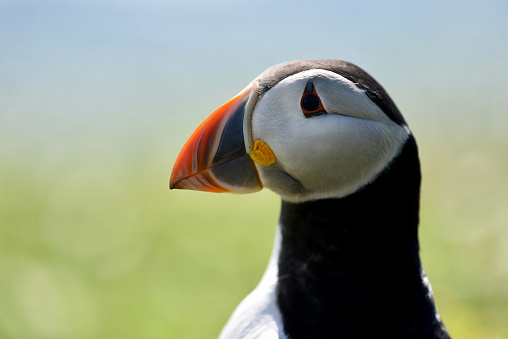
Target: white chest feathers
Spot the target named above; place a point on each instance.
(257, 316)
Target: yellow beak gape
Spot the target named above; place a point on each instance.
(262, 153)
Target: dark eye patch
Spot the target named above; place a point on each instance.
(311, 103)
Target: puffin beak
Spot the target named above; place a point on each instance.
(214, 159)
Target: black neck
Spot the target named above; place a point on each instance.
(350, 267)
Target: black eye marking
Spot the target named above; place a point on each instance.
(311, 103)
(309, 88)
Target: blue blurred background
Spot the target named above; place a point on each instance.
(97, 98)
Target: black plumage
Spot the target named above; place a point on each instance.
(350, 267)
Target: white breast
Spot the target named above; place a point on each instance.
(257, 316)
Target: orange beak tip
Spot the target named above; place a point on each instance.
(214, 158)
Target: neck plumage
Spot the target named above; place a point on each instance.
(350, 266)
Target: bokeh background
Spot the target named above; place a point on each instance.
(97, 97)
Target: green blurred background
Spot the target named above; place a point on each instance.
(97, 98)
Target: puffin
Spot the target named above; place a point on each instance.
(327, 138)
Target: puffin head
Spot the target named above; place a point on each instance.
(306, 130)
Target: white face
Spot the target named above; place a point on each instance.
(325, 156)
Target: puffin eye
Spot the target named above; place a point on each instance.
(311, 103)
